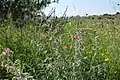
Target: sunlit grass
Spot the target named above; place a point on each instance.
(79, 51)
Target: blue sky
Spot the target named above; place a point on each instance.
(81, 7)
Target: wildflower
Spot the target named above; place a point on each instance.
(73, 36)
(6, 50)
(102, 54)
(57, 28)
(106, 59)
(51, 18)
(71, 46)
(64, 46)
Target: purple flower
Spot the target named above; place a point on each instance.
(57, 28)
(6, 50)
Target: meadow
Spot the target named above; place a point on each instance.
(74, 48)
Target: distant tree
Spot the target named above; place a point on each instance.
(99, 17)
(106, 14)
(91, 17)
(78, 16)
(117, 12)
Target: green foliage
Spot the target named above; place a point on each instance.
(11, 70)
(78, 51)
(22, 9)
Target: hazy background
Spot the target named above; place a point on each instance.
(82, 7)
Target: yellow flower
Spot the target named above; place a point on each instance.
(106, 59)
(102, 54)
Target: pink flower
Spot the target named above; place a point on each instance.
(71, 46)
(64, 46)
(51, 18)
(57, 28)
(6, 50)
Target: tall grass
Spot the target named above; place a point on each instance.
(78, 51)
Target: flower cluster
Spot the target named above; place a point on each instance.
(5, 58)
(6, 50)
